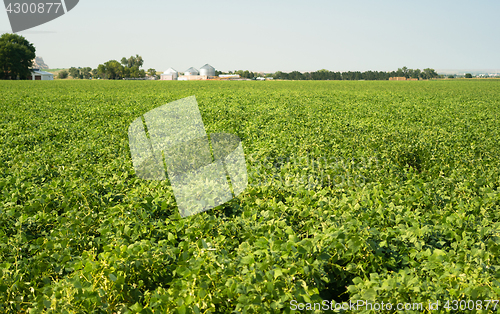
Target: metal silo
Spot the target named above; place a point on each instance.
(191, 71)
(207, 70)
(172, 72)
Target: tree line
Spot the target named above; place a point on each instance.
(357, 75)
(349, 75)
(130, 68)
(111, 70)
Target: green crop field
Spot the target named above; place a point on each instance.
(358, 191)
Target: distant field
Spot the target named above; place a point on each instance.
(377, 191)
(55, 71)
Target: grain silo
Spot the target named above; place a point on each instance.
(207, 70)
(191, 71)
(170, 74)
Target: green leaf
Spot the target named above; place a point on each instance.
(136, 307)
(249, 259)
(171, 237)
(277, 273)
(181, 309)
(369, 294)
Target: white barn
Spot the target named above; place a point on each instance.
(37, 75)
(169, 75)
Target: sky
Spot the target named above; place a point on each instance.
(273, 35)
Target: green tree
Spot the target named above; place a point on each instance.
(131, 72)
(86, 72)
(74, 72)
(114, 70)
(131, 62)
(131, 67)
(63, 74)
(280, 75)
(406, 72)
(124, 62)
(295, 75)
(468, 75)
(348, 75)
(16, 57)
(413, 73)
(94, 73)
(152, 72)
(101, 71)
(430, 73)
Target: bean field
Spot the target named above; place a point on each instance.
(358, 190)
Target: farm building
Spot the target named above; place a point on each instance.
(169, 75)
(191, 71)
(192, 77)
(37, 75)
(192, 74)
(402, 78)
(207, 70)
(227, 77)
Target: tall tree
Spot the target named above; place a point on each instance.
(415, 73)
(85, 72)
(152, 72)
(131, 62)
(101, 71)
(131, 67)
(74, 72)
(124, 62)
(430, 73)
(113, 70)
(138, 61)
(405, 71)
(16, 57)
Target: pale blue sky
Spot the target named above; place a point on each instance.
(271, 35)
